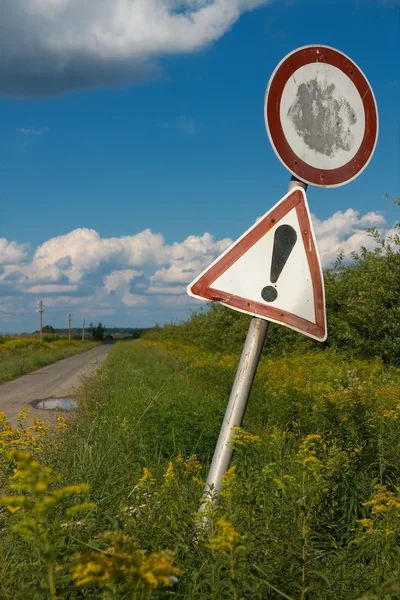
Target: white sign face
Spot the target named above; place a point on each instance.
(250, 275)
(272, 271)
(322, 116)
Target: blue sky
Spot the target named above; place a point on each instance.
(163, 133)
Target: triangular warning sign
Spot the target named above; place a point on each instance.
(272, 271)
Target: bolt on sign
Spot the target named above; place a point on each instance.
(322, 121)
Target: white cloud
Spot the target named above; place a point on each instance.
(95, 313)
(129, 299)
(117, 279)
(11, 252)
(177, 273)
(345, 231)
(166, 289)
(51, 288)
(138, 278)
(56, 301)
(82, 251)
(49, 46)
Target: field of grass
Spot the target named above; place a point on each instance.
(310, 508)
(22, 355)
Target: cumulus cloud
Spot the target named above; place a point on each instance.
(11, 252)
(104, 276)
(347, 232)
(50, 46)
(52, 288)
(139, 278)
(118, 279)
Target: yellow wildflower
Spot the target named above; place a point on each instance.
(62, 424)
(385, 510)
(243, 438)
(390, 414)
(367, 523)
(198, 481)
(31, 483)
(147, 478)
(4, 424)
(123, 561)
(13, 509)
(22, 417)
(307, 450)
(39, 427)
(228, 483)
(227, 538)
(169, 474)
(192, 466)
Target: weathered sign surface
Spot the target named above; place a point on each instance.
(272, 271)
(321, 116)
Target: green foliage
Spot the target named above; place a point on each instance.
(23, 355)
(363, 303)
(309, 508)
(98, 332)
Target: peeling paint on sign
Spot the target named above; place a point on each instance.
(321, 119)
(322, 116)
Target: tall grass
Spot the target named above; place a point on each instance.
(310, 508)
(23, 355)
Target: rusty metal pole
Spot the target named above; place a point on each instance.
(238, 399)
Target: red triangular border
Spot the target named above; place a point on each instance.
(201, 287)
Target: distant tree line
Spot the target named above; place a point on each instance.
(96, 332)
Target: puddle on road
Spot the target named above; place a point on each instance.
(55, 404)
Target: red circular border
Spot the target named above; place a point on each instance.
(307, 173)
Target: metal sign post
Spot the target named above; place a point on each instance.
(322, 122)
(239, 397)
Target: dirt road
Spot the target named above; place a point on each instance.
(54, 381)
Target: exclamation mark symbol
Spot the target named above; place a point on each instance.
(284, 241)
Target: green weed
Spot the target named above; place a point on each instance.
(23, 355)
(309, 508)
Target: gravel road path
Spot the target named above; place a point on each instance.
(58, 380)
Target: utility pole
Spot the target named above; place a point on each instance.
(83, 330)
(69, 326)
(40, 311)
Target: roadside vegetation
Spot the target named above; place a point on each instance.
(22, 355)
(106, 506)
(310, 508)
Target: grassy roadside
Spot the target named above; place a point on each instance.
(310, 509)
(21, 356)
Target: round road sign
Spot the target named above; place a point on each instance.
(321, 116)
